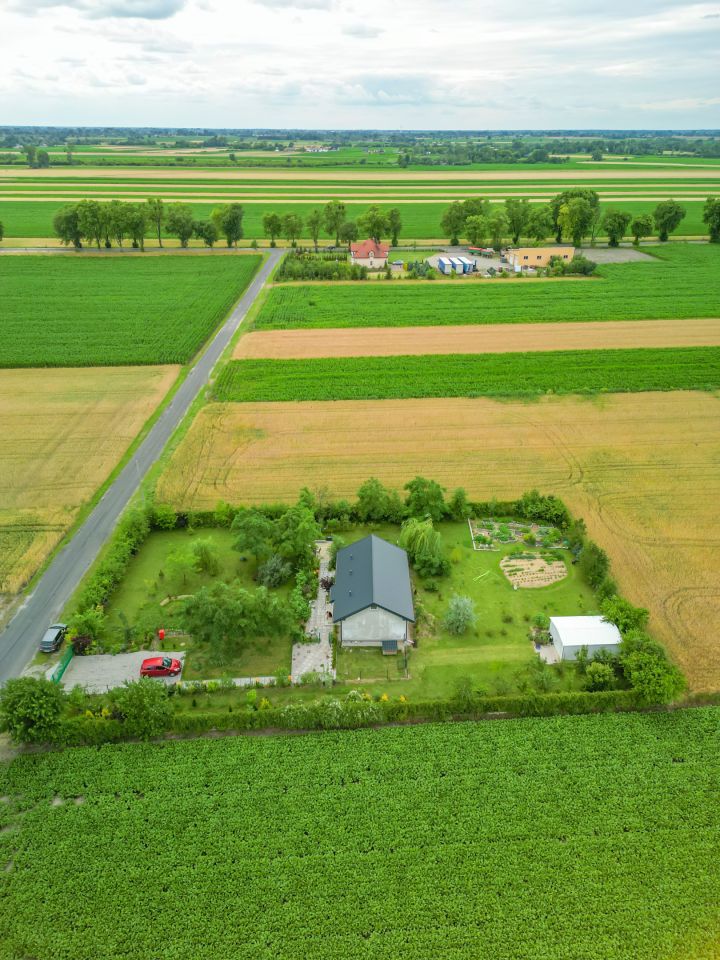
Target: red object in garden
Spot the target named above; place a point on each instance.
(161, 633)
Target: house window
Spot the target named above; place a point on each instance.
(565, 256)
(525, 258)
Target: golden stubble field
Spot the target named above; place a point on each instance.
(481, 338)
(63, 432)
(642, 469)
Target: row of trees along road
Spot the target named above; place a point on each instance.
(106, 222)
(332, 218)
(572, 215)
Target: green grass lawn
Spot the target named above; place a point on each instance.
(571, 838)
(496, 652)
(94, 311)
(682, 280)
(146, 584)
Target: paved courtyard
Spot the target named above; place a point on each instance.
(101, 672)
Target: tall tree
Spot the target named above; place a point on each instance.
(425, 498)
(641, 226)
(92, 221)
(453, 222)
(118, 220)
(69, 147)
(314, 221)
(667, 216)
(334, 214)
(157, 215)
(374, 223)
(615, 224)
(206, 231)
(711, 216)
(66, 224)
(349, 232)
(575, 219)
(2, 231)
(565, 198)
(540, 222)
(272, 226)
(394, 222)
(518, 213)
(180, 222)
(229, 220)
(42, 159)
(137, 223)
(30, 151)
(497, 224)
(292, 228)
(476, 229)
(254, 533)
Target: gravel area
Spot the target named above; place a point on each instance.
(101, 672)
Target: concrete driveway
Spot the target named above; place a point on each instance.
(104, 671)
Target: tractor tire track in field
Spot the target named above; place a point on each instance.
(20, 639)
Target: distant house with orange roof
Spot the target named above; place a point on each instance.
(369, 254)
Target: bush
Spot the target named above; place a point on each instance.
(460, 616)
(144, 707)
(274, 572)
(30, 709)
(653, 679)
(599, 676)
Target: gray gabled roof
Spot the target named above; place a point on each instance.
(371, 572)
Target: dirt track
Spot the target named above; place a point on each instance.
(495, 338)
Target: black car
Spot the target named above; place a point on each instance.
(53, 638)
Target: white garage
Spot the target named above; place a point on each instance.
(569, 634)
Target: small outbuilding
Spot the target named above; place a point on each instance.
(370, 254)
(372, 595)
(569, 634)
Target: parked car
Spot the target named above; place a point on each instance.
(53, 638)
(160, 667)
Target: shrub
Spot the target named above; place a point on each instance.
(460, 616)
(144, 707)
(30, 709)
(274, 571)
(599, 676)
(654, 679)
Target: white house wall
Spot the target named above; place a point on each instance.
(368, 628)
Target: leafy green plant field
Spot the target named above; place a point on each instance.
(102, 311)
(541, 839)
(683, 281)
(421, 219)
(471, 375)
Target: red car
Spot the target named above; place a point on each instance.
(160, 667)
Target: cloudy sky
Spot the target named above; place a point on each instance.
(471, 64)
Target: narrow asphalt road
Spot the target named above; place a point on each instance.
(20, 639)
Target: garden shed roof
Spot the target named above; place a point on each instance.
(372, 572)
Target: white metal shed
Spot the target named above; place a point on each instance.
(569, 634)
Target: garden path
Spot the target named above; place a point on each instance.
(316, 657)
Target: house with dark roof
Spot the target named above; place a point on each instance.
(369, 254)
(372, 595)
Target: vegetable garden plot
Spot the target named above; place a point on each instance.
(592, 837)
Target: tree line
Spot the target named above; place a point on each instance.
(104, 223)
(375, 223)
(573, 215)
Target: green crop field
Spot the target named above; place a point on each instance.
(100, 311)
(471, 375)
(537, 839)
(421, 219)
(683, 281)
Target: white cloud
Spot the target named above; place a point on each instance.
(365, 31)
(99, 9)
(297, 4)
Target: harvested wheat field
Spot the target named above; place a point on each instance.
(63, 433)
(642, 469)
(494, 338)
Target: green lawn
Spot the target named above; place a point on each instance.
(147, 583)
(497, 652)
(571, 838)
(683, 280)
(94, 311)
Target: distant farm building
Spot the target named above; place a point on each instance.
(569, 634)
(538, 256)
(372, 595)
(447, 265)
(369, 254)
